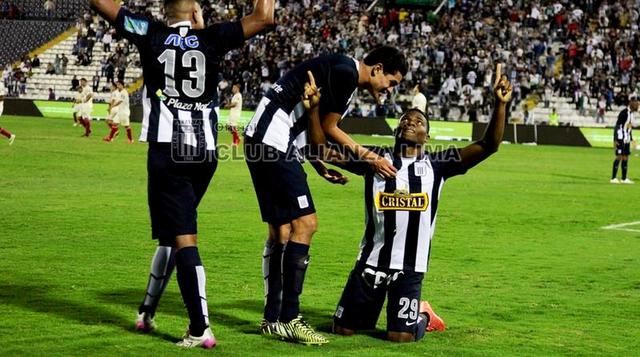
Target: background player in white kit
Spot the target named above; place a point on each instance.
(3, 131)
(86, 107)
(113, 109)
(235, 111)
(122, 114)
(77, 106)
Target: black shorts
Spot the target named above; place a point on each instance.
(364, 295)
(623, 148)
(175, 190)
(280, 183)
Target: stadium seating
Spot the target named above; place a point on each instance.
(64, 9)
(20, 37)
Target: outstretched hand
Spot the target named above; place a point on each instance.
(311, 96)
(502, 87)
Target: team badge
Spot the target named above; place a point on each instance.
(401, 200)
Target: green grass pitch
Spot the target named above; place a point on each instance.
(520, 264)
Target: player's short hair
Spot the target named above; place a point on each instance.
(173, 6)
(120, 81)
(392, 60)
(83, 79)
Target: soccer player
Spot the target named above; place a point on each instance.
(180, 61)
(272, 141)
(235, 111)
(86, 106)
(113, 108)
(400, 222)
(77, 106)
(4, 131)
(122, 117)
(622, 138)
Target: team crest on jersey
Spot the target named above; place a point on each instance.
(182, 42)
(136, 26)
(401, 200)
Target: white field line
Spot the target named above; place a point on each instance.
(620, 227)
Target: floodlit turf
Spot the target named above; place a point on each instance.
(520, 264)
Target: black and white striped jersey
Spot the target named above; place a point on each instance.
(180, 68)
(281, 121)
(400, 215)
(623, 130)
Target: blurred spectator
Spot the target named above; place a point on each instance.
(50, 69)
(419, 100)
(65, 62)
(554, 118)
(75, 83)
(49, 8)
(95, 82)
(35, 62)
(52, 94)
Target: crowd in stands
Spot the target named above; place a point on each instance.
(579, 49)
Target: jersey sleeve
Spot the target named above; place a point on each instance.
(225, 37)
(133, 27)
(343, 81)
(447, 163)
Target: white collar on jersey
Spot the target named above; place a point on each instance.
(357, 64)
(181, 24)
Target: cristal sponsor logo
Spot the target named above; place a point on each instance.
(401, 200)
(182, 42)
(177, 104)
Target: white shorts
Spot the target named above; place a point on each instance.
(86, 110)
(113, 114)
(1, 106)
(122, 118)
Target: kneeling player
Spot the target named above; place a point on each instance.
(400, 221)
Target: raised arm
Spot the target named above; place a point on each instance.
(263, 16)
(108, 9)
(480, 150)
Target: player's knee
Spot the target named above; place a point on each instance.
(306, 225)
(400, 336)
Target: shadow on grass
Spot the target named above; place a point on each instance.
(41, 299)
(220, 313)
(579, 178)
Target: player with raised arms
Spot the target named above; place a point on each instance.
(180, 62)
(273, 138)
(400, 221)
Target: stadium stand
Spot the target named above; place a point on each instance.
(558, 53)
(60, 9)
(31, 34)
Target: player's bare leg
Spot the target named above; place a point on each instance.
(192, 282)
(75, 119)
